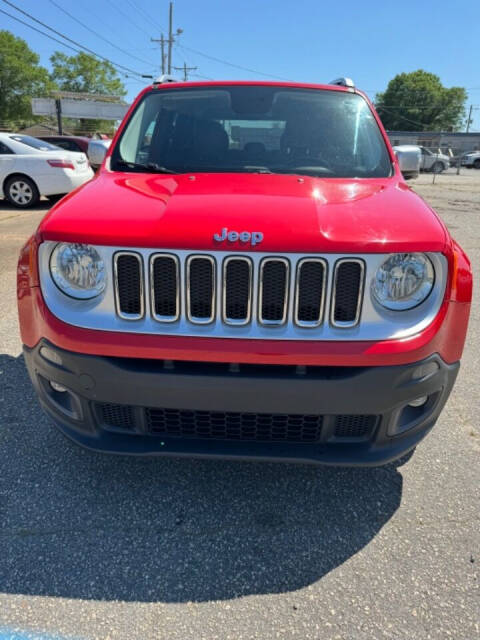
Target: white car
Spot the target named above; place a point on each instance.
(435, 162)
(471, 159)
(30, 168)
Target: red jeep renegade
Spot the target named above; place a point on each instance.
(248, 276)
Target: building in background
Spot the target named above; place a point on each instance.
(446, 141)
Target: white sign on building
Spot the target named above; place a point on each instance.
(89, 109)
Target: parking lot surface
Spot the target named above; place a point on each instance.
(94, 546)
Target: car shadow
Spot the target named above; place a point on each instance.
(77, 524)
(41, 205)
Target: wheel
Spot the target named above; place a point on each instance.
(21, 192)
(476, 164)
(438, 167)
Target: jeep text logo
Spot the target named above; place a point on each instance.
(255, 237)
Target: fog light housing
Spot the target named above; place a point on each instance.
(418, 402)
(51, 355)
(56, 386)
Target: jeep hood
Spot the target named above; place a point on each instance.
(294, 214)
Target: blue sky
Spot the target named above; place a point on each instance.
(306, 40)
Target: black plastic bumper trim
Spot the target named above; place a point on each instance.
(328, 391)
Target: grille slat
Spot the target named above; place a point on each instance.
(200, 289)
(165, 287)
(257, 291)
(129, 285)
(237, 290)
(310, 292)
(273, 302)
(347, 294)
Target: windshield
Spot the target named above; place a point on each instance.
(35, 143)
(261, 129)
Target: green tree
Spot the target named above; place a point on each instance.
(83, 73)
(418, 101)
(21, 78)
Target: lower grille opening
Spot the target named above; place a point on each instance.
(355, 426)
(232, 425)
(118, 416)
(266, 427)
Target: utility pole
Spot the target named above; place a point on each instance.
(167, 58)
(162, 41)
(58, 108)
(469, 118)
(170, 36)
(185, 70)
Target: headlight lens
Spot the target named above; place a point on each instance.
(403, 281)
(78, 270)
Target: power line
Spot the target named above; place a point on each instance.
(231, 64)
(120, 66)
(127, 17)
(147, 17)
(112, 44)
(63, 44)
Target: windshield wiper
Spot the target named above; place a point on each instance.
(150, 167)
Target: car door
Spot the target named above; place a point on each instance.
(425, 160)
(7, 161)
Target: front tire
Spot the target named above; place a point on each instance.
(21, 192)
(476, 164)
(438, 167)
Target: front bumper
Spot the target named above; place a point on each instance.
(330, 415)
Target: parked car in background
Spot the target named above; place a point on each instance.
(431, 161)
(471, 159)
(69, 143)
(409, 159)
(96, 152)
(30, 168)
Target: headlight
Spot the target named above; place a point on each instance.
(403, 281)
(78, 270)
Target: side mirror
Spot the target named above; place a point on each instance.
(97, 150)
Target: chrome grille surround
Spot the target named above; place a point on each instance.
(248, 316)
(264, 263)
(153, 259)
(300, 264)
(361, 284)
(188, 301)
(375, 323)
(123, 314)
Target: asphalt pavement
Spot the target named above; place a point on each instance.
(93, 546)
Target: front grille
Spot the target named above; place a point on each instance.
(237, 290)
(311, 276)
(348, 285)
(200, 289)
(232, 425)
(129, 285)
(164, 282)
(273, 290)
(304, 293)
(220, 425)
